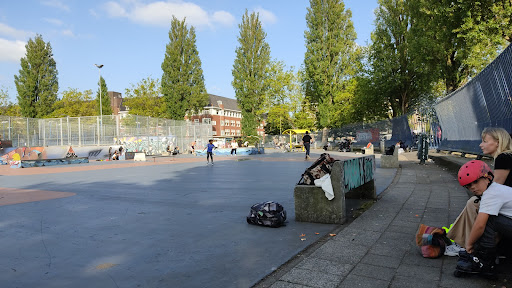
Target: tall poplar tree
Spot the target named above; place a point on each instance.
(106, 109)
(330, 55)
(182, 80)
(37, 83)
(250, 71)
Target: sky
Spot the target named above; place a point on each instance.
(129, 37)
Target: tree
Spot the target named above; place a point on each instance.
(105, 108)
(328, 62)
(74, 103)
(37, 83)
(278, 120)
(250, 71)
(400, 75)
(182, 80)
(145, 99)
(6, 107)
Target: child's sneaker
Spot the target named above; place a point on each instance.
(453, 250)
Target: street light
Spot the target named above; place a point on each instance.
(101, 110)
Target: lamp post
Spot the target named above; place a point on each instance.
(101, 110)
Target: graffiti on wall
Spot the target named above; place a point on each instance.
(149, 145)
(358, 171)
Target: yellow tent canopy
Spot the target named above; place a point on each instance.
(295, 132)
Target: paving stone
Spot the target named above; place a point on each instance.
(311, 278)
(325, 266)
(379, 260)
(362, 282)
(377, 272)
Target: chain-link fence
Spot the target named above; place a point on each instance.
(485, 101)
(131, 130)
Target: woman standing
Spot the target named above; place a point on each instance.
(497, 143)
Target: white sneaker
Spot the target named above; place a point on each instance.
(453, 250)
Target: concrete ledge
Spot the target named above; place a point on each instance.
(53, 162)
(312, 206)
(139, 156)
(368, 150)
(390, 161)
(353, 178)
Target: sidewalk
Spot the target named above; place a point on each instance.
(378, 249)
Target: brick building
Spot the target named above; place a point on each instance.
(225, 116)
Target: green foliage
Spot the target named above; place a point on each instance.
(74, 103)
(182, 80)
(278, 120)
(37, 83)
(400, 71)
(105, 108)
(7, 108)
(145, 99)
(304, 120)
(281, 85)
(331, 58)
(250, 79)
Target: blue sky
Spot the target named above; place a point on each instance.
(129, 36)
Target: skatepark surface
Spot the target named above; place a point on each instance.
(167, 222)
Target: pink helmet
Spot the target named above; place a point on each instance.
(473, 170)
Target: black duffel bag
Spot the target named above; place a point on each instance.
(271, 214)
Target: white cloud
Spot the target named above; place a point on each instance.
(13, 33)
(160, 13)
(11, 51)
(266, 17)
(224, 18)
(53, 21)
(68, 32)
(56, 4)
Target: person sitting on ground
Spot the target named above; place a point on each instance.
(494, 216)
(176, 151)
(497, 143)
(115, 156)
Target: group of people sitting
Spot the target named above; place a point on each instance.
(483, 230)
(174, 151)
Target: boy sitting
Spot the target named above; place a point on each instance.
(494, 220)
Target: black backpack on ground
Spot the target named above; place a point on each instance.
(271, 214)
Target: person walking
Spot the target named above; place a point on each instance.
(209, 152)
(306, 140)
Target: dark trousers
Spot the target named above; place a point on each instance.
(495, 224)
(307, 146)
(209, 155)
(233, 150)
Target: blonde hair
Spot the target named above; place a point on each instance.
(501, 136)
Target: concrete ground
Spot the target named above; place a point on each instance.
(167, 222)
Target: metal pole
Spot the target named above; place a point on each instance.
(79, 133)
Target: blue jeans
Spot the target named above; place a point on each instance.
(307, 145)
(495, 224)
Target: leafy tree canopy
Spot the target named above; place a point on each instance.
(144, 98)
(37, 83)
(250, 77)
(182, 80)
(74, 103)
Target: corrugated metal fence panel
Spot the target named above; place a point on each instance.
(484, 101)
